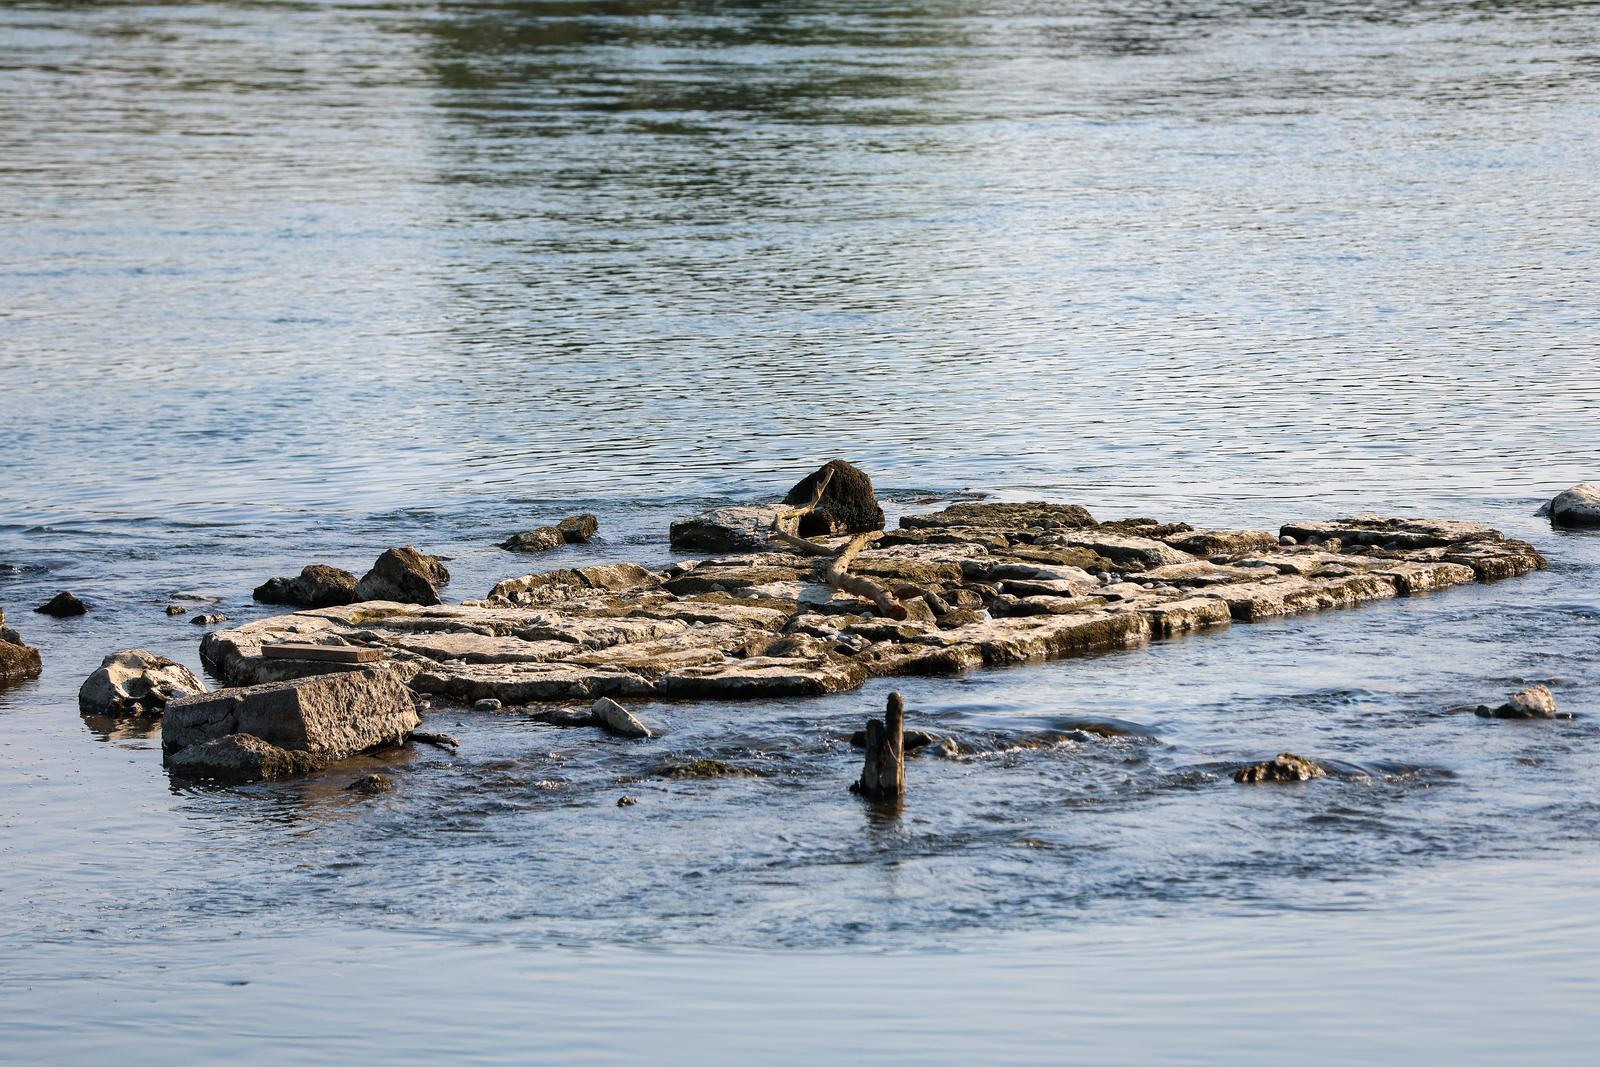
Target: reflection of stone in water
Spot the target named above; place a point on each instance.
(107, 728)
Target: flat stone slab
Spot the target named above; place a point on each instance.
(986, 585)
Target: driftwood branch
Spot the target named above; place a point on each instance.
(836, 572)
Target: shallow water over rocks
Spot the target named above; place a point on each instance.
(298, 283)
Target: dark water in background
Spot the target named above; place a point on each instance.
(282, 282)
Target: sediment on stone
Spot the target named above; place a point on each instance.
(1015, 583)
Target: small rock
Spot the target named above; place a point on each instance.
(1577, 507)
(579, 529)
(371, 784)
(565, 717)
(177, 609)
(63, 606)
(848, 504)
(444, 741)
(1534, 702)
(317, 586)
(210, 618)
(136, 682)
(404, 575)
(487, 704)
(542, 539)
(626, 801)
(616, 719)
(1285, 767)
(1287, 541)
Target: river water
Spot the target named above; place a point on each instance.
(284, 282)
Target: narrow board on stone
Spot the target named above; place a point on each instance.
(326, 653)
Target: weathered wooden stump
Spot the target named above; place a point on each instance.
(883, 776)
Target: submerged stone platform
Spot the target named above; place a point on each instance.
(985, 584)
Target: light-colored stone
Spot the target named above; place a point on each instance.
(616, 719)
(725, 529)
(1534, 702)
(1577, 507)
(136, 682)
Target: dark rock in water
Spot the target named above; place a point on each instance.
(317, 586)
(1285, 767)
(564, 717)
(179, 609)
(728, 529)
(404, 575)
(371, 784)
(542, 539)
(17, 660)
(704, 768)
(136, 682)
(63, 606)
(579, 529)
(1534, 702)
(848, 505)
(914, 739)
(626, 801)
(241, 758)
(210, 618)
(1577, 507)
(317, 720)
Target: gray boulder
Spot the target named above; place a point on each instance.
(616, 719)
(542, 539)
(327, 717)
(136, 681)
(317, 586)
(1577, 507)
(730, 529)
(404, 575)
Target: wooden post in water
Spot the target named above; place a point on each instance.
(883, 775)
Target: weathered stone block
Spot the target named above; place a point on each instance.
(329, 716)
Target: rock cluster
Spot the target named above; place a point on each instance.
(985, 584)
(848, 505)
(572, 530)
(1534, 702)
(284, 728)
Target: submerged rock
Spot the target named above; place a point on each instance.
(616, 719)
(1577, 507)
(1534, 702)
(317, 586)
(405, 576)
(371, 784)
(319, 719)
(241, 758)
(579, 529)
(728, 529)
(210, 618)
(179, 609)
(63, 606)
(136, 682)
(1285, 767)
(542, 539)
(848, 504)
(704, 768)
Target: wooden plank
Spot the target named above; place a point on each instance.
(326, 653)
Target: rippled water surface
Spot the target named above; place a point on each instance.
(283, 282)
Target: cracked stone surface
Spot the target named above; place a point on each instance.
(986, 585)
